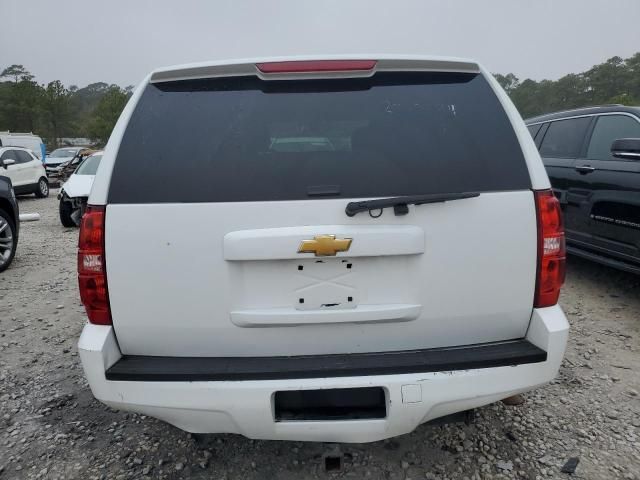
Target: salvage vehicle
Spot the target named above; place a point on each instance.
(59, 156)
(74, 193)
(25, 170)
(66, 169)
(345, 294)
(9, 222)
(592, 156)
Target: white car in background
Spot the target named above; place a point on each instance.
(75, 191)
(25, 170)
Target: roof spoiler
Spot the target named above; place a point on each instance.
(369, 64)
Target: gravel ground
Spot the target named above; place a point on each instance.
(51, 427)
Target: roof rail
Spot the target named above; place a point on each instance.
(7, 132)
(584, 108)
(576, 110)
(14, 146)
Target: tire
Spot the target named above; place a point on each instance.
(66, 210)
(42, 190)
(8, 240)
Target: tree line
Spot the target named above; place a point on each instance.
(615, 81)
(55, 111)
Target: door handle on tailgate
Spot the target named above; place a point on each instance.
(584, 169)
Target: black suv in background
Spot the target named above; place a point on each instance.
(592, 156)
(9, 222)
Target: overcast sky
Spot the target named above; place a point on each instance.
(119, 41)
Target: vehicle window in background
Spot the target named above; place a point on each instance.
(564, 138)
(9, 154)
(534, 129)
(63, 152)
(89, 166)
(610, 128)
(23, 157)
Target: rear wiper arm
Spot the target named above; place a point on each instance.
(399, 204)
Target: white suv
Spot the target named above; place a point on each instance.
(319, 249)
(25, 170)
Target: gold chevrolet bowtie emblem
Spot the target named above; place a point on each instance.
(325, 245)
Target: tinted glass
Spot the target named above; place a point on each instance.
(63, 152)
(9, 154)
(89, 166)
(564, 138)
(534, 129)
(609, 128)
(244, 139)
(23, 157)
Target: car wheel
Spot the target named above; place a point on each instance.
(43, 188)
(8, 240)
(66, 209)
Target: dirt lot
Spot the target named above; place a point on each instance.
(51, 427)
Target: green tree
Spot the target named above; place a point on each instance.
(615, 81)
(632, 86)
(19, 99)
(625, 99)
(56, 106)
(106, 113)
(606, 80)
(27, 98)
(16, 72)
(508, 82)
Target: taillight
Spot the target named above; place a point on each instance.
(92, 275)
(551, 249)
(310, 66)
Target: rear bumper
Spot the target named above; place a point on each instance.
(246, 406)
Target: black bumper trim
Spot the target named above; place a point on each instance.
(197, 369)
(604, 260)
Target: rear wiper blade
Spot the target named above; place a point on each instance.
(399, 204)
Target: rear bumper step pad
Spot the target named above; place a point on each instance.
(192, 369)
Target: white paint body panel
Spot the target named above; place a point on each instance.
(78, 185)
(290, 317)
(172, 291)
(245, 407)
(22, 174)
(282, 243)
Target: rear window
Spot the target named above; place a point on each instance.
(244, 139)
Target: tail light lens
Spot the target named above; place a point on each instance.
(92, 275)
(551, 249)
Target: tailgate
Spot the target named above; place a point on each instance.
(227, 279)
(226, 231)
